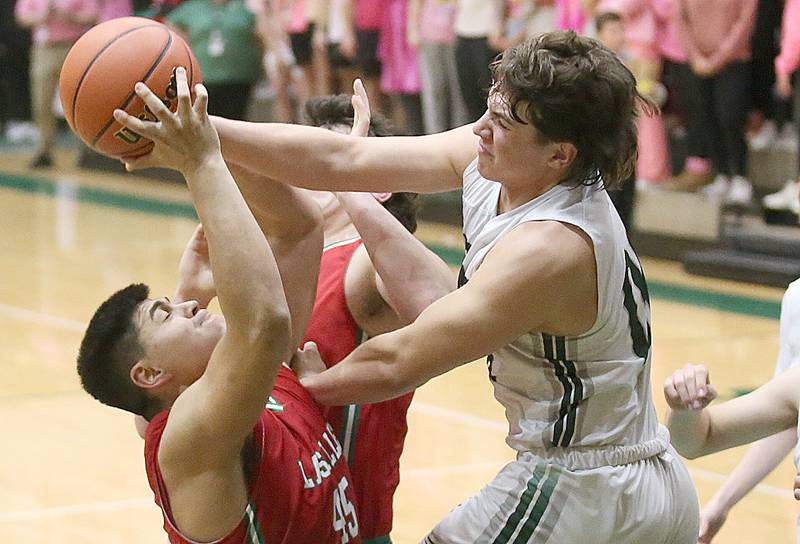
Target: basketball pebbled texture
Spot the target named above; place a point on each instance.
(100, 71)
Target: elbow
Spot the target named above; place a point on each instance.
(272, 329)
(688, 453)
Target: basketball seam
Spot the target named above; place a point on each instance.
(133, 93)
(191, 63)
(91, 63)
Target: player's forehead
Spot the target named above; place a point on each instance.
(500, 104)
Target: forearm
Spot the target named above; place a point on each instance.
(320, 159)
(280, 210)
(689, 431)
(245, 273)
(374, 372)
(411, 275)
(761, 459)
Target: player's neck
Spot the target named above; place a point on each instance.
(339, 232)
(512, 197)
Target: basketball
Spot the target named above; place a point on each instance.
(100, 71)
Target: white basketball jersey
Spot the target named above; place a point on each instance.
(592, 390)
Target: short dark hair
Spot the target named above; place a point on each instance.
(605, 18)
(572, 88)
(110, 348)
(337, 110)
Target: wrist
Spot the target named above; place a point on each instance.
(209, 159)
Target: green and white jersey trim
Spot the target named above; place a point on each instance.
(587, 390)
(254, 534)
(341, 243)
(273, 405)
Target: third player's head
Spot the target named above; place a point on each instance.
(139, 354)
(562, 108)
(335, 112)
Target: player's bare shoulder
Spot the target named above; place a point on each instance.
(552, 264)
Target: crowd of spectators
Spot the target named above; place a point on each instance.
(724, 71)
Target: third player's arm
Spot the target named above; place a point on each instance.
(768, 410)
(537, 278)
(316, 158)
(407, 275)
(292, 222)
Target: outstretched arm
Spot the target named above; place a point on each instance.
(292, 222)
(404, 273)
(316, 158)
(761, 459)
(538, 278)
(697, 430)
(407, 275)
(199, 452)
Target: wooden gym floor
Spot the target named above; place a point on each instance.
(71, 470)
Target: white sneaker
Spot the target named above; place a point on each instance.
(787, 198)
(719, 188)
(740, 192)
(787, 139)
(21, 132)
(764, 137)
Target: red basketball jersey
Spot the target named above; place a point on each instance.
(372, 435)
(300, 488)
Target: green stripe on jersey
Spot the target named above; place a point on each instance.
(380, 540)
(540, 506)
(350, 417)
(254, 534)
(522, 506)
(340, 243)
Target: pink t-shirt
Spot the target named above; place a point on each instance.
(571, 15)
(298, 19)
(789, 59)
(717, 29)
(369, 14)
(111, 9)
(667, 37)
(54, 30)
(436, 22)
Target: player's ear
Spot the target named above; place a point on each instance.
(147, 376)
(563, 155)
(382, 197)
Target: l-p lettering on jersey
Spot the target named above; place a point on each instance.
(322, 461)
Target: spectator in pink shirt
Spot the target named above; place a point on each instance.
(697, 168)
(112, 9)
(716, 36)
(56, 25)
(430, 30)
(644, 60)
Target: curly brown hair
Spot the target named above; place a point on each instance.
(573, 89)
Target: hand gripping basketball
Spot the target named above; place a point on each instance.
(183, 140)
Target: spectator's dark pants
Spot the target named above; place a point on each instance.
(228, 100)
(719, 105)
(764, 48)
(473, 56)
(15, 58)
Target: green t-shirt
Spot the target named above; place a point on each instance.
(223, 38)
